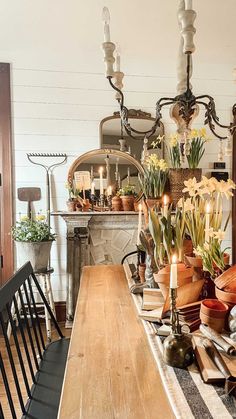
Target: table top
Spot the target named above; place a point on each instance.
(110, 371)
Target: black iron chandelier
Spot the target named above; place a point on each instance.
(187, 103)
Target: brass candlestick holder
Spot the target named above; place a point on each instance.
(177, 347)
(109, 202)
(102, 201)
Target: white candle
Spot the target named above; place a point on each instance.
(109, 191)
(92, 188)
(128, 175)
(140, 207)
(188, 4)
(207, 224)
(106, 20)
(101, 180)
(174, 273)
(165, 206)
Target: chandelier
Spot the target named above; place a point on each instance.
(185, 106)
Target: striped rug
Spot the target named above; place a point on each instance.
(188, 395)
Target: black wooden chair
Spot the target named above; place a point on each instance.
(39, 367)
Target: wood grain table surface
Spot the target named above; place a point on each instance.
(110, 373)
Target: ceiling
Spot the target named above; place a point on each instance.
(69, 34)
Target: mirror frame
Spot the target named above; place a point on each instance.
(99, 151)
(132, 114)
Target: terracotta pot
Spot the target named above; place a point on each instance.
(71, 205)
(153, 203)
(227, 297)
(116, 204)
(196, 263)
(86, 205)
(162, 278)
(127, 202)
(141, 271)
(176, 180)
(214, 313)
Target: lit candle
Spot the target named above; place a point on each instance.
(106, 20)
(92, 188)
(109, 191)
(165, 206)
(207, 224)
(140, 207)
(188, 4)
(101, 180)
(174, 273)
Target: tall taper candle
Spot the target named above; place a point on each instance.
(101, 180)
(92, 188)
(140, 207)
(174, 273)
(207, 225)
(165, 206)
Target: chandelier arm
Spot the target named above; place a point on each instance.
(121, 101)
(213, 112)
(209, 120)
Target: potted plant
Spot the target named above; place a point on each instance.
(127, 195)
(206, 229)
(116, 203)
(73, 198)
(33, 240)
(153, 180)
(193, 149)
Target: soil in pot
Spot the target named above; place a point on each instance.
(127, 202)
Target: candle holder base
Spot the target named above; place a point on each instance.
(102, 201)
(178, 351)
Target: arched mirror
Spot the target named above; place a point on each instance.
(118, 170)
(113, 136)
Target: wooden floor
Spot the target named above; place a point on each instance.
(111, 372)
(3, 398)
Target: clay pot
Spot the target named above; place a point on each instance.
(141, 271)
(196, 263)
(228, 298)
(213, 313)
(71, 205)
(86, 205)
(153, 203)
(127, 202)
(176, 180)
(116, 204)
(162, 278)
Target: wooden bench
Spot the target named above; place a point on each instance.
(39, 367)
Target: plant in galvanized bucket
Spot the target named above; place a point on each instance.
(33, 240)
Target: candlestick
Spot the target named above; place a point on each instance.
(101, 180)
(174, 273)
(188, 4)
(207, 224)
(140, 207)
(165, 206)
(106, 20)
(91, 173)
(109, 197)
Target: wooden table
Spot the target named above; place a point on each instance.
(110, 370)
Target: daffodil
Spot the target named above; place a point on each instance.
(40, 217)
(219, 235)
(202, 133)
(188, 206)
(194, 133)
(24, 218)
(191, 186)
(174, 140)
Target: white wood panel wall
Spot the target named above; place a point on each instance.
(60, 112)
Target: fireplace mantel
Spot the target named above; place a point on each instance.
(95, 238)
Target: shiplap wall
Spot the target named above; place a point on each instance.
(60, 111)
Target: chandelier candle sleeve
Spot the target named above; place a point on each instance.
(106, 20)
(101, 180)
(174, 273)
(139, 223)
(117, 62)
(207, 224)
